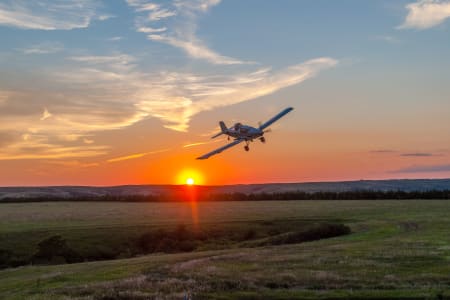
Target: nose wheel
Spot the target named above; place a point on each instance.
(246, 147)
(262, 139)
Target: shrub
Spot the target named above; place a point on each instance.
(318, 232)
(55, 250)
(5, 258)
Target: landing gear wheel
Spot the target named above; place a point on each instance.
(262, 139)
(247, 148)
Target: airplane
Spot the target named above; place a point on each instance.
(244, 133)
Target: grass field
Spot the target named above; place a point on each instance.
(397, 249)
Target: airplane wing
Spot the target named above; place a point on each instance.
(275, 118)
(217, 151)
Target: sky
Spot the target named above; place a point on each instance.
(131, 91)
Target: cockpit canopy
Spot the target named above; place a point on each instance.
(237, 126)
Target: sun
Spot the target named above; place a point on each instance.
(189, 176)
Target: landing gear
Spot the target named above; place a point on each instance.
(246, 148)
(262, 139)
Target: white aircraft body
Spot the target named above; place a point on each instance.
(244, 133)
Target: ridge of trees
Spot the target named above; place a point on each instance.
(192, 193)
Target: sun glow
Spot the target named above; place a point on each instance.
(189, 177)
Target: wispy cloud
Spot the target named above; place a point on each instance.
(189, 94)
(92, 93)
(44, 48)
(196, 49)
(425, 14)
(382, 151)
(424, 169)
(146, 29)
(73, 163)
(109, 92)
(127, 95)
(159, 14)
(201, 143)
(386, 38)
(49, 14)
(40, 147)
(45, 115)
(122, 59)
(417, 154)
(182, 32)
(115, 39)
(134, 156)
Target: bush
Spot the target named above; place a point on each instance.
(55, 250)
(5, 258)
(318, 232)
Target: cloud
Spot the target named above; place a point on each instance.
(115, 39)
(155, 11)
(424, 169)
(417, 154)
(92, 93)
(121, 59)
(39, 147)
(147, 29)
(44, 48)
(108, 92)
(49, 14)
(143, 5)
(196, 49)
(73, 163)
(201, 143)
(425, 14)
(189, 94)
(382, 151)
(45, 115)
(161, 14)
(181, 32)
(134, 156)
(387, 38)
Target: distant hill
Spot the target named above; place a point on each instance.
(406, 185)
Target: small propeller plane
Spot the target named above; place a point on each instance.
(244, 133)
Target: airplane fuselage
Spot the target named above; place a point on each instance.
(246, 132)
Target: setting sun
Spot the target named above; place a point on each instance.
(190, 177)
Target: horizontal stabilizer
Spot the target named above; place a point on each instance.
(214, 136)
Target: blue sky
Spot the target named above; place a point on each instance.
(82, 83)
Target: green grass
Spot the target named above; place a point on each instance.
(398, 250)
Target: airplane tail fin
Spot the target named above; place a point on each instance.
(224, 129)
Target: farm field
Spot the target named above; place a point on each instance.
(396, 249)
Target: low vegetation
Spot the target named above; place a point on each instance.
(56, 250)
(227, 250)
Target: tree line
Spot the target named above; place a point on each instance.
(191, 194)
